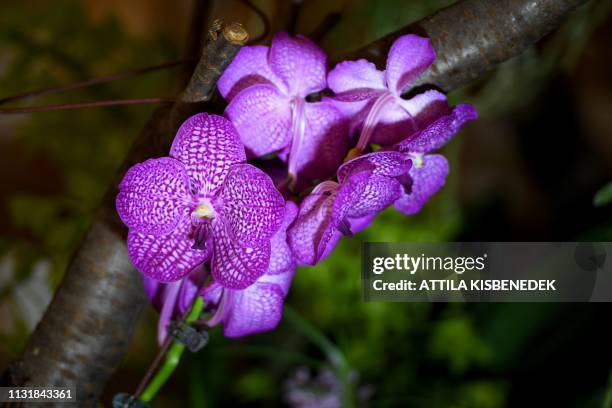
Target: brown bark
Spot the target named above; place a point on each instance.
(473, 36)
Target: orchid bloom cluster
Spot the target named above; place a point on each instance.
(204, 222)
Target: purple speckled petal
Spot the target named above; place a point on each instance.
(299, 62)
(165, 258)
(384, 163)
(361, 223)
(281, 258)
(189, 289)
(252, 207)
(409, 56)
(438, 133)
(249, 67)
(379, 193)
(325, 141)
(355, 75)
(235, 266)
(152, 196)
(171, 293)
(262, 116)
(254, 310)
(207, 145)
(310, 226)
(426, 181)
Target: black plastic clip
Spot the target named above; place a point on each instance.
(125, 400)
(188, 335)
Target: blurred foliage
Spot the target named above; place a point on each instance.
(395, 354)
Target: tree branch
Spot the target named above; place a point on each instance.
(86, 330)
(472, 36)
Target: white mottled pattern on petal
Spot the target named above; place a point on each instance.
(299, 62)
(379, 193)
(325, 141)
(384, 163)
(426, 181)
(249, 67)
(165, 258)
(409, 56)
(354, 75)
(312, 222)
(153, 195)
(438, 133)
(207, 145)
(262, 116)
(235, 266)
(252, 206)
(281, 258)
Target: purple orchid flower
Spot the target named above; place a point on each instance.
(259, 307)
(200, 203)
(267, 87)
(173, 300)
(429, 171)
(373, 98)
(366, 185)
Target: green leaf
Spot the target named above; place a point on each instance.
(603, 196)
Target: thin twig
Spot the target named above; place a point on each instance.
(82, 105)
(91, 82)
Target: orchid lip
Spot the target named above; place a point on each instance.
(406, 181)
(202, 234)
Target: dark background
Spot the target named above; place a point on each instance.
(527, 170)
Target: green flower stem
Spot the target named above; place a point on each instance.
(607, 403)
(333, 353)
(173, 357)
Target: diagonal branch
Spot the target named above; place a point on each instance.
(472, 36)
(87, 328)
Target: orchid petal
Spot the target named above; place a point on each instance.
(249, 67)
(253, 310)
(427, 180)
(281, 258)
(165, 258)
(252, 206)
(235, 266)
(152, 196)
(379, 193)
(312, 222)
(355, 75)
(384, 163)
(325, 141)
(208, 145)
(299, 62)
(409, 56)
(262, 116)
(438, 133)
